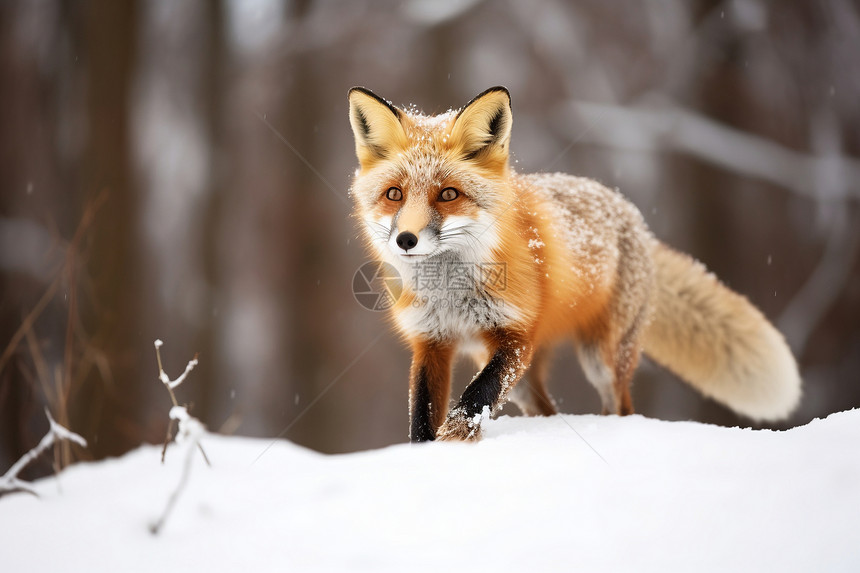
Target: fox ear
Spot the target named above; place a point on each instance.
(376, 126)
(482, 129)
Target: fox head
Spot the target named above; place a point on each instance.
(431, 186)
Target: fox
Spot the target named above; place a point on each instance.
(502, 267)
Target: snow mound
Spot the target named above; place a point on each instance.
(546, 494)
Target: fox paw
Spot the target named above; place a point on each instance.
(459, 426)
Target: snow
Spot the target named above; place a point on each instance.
(190, 428)
(532, 495)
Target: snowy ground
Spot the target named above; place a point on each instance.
(670, 496)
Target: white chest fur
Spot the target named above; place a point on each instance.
(451, 303)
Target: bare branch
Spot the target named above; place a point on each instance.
(675, 129)
(165, 379)
(10, 483)
(831, 275)
(167, 438)
(175, 383)
(170, 385)
(190, 430)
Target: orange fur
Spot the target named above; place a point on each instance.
(577, 259)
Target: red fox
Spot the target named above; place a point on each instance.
(500, 266)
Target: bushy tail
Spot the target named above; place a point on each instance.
(717, 341)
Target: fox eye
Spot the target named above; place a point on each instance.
(449, 194)
(394, 194)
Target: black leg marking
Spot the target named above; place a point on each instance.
(421, 428)
(486, 388)
(491, 385)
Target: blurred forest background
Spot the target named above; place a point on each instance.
(179, 170)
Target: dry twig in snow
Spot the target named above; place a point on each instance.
(10, 483)
(190, 431)
(172, 385)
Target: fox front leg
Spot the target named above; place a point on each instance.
(429, 388)
(488, 389)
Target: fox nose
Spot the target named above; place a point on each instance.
(406, 240)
